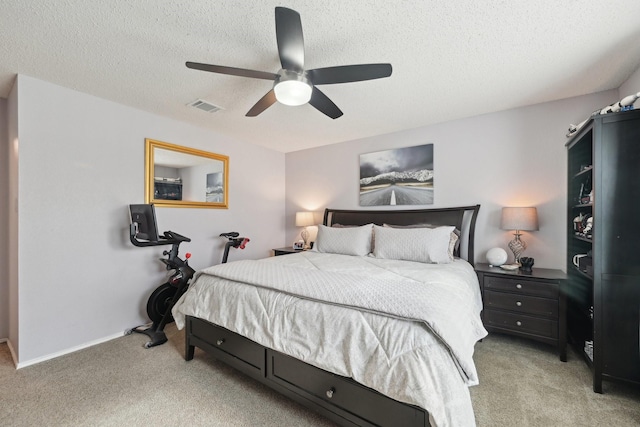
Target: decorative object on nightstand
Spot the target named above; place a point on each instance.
(529, 305)
(496, 257)
(526, 264)
(304, 219)
(519, 219)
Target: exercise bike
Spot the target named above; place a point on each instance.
(143, 232)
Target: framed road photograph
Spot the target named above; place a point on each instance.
(402, 176)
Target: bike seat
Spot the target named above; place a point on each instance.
(230, 234)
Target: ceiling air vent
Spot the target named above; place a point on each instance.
(203, 105)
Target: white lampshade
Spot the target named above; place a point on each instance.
(293, 92)
(519, 219)
(304, 219)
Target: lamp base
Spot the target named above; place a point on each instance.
(517, 246)
(305, 236)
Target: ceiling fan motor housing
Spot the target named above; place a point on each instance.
(292, 88)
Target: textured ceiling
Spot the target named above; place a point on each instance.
(450, 59)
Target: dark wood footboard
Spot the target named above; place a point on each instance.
(340, 399)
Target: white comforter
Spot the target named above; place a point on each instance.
(407, 330)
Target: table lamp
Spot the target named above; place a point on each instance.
(519, 219)
(304, 219)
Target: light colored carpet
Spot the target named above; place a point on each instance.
(119, 383)
(524, 383)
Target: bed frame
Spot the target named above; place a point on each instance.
(340, 399)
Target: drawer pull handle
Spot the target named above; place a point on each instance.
(519, 323)
(519, 286)
(330, 392)
(220, 341)
(519, 303)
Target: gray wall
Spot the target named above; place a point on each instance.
(4, 218)
(166, 172)
(631, 86)
(81, 162)
(12, 241)
(509, 158)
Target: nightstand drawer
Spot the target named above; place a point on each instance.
(522, 286)
(521, 303)
(520, 323)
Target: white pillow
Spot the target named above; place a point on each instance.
(345, 241)
(454, 239)
(429, 245)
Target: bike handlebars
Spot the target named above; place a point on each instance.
(171, 236)
(168, 238)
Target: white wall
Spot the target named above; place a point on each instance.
(78, 280)
(510, 158)
(12, 242)
(631, 86)
(4, 219)
(81, 162)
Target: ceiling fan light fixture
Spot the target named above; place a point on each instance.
(293, 90)
(293, 84)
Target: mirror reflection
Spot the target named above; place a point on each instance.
(179, 176)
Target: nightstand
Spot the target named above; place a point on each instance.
(528, 305)
(285, 251)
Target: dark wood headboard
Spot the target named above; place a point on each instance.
(463, 218)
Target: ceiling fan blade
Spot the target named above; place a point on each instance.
(265, 102)
(323, 104)
(348, 73)
(290, 40)
(232, 71)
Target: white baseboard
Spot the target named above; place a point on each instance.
(63, 352)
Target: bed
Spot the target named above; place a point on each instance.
(375, 326)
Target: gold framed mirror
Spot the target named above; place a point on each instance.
(183, 177)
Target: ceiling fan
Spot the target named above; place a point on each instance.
(293, 85)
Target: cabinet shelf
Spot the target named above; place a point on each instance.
(582, 273)
(583, 205)
(584, 171)
(582, 238)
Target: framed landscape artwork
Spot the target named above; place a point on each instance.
(215, 188)
(402, 176)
